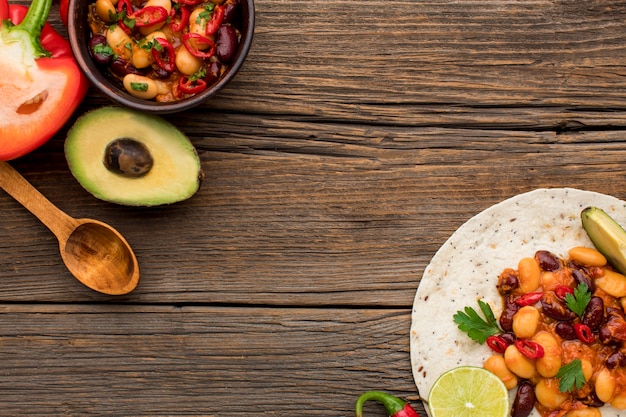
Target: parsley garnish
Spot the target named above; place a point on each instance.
(578, 301)
(139, 86)
(476, 327)
(103, 49)
(201, 73)
(571, 376)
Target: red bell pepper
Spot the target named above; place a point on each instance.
(64, 10)
(41, 83)
(395, 406)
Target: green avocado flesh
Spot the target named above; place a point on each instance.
(175, 174)
(607, 236)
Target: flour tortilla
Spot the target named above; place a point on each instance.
(466, 268)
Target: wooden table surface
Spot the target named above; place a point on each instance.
(356, 138)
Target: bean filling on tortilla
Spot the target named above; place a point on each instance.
(563, 332)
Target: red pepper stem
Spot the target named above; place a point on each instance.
(393, 405)
(32, 25)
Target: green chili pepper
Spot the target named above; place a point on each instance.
(395, 406)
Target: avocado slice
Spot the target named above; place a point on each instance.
(607, 236)
(132, 158)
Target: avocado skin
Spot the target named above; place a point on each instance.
(607, 236)
(177, 171)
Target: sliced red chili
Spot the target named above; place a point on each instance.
(150, 15)
(165, 56)
(189, 86)
(193, 48)
(125, 5)
(497, 343)
(124, 11)
(561, 291)
(179, 18)
(190, 2)
(530, 349)
(216, 20)
(584, 333)
(529, 298)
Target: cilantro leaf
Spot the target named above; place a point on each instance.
(474, 325)
(578, 301)
(571, 376)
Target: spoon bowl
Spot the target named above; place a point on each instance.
(95, 253)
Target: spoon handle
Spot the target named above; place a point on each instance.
(21, 190)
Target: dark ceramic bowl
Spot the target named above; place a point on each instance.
(79, 34)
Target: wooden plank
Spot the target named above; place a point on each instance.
(130, 360)
(354, 213)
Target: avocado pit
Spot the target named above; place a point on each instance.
(128, 157)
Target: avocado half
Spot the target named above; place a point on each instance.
(132, 158)
(607, 235)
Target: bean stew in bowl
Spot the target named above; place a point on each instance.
(161, 56)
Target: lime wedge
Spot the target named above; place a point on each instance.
(607, 236)
(468, 391)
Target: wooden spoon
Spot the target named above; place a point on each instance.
(95, 253)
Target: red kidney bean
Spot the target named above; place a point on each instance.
(231, 11)
(592, 400)
(213, 72)
(509, 337)
(226, 43)
(547, 260)
(566, 330)
(122, 68)
(509, 310)
(524, 400)
(594, 313)
(616, 359)
(581, 278)
(159, 73)
(605, 335)
(507, 283)
(96, 42)
(552, 307)
(614, 328)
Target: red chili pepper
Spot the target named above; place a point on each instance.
(178, 24)
(125, 11)
(561, 291)
(166, 56)
(187, 86)
(584, 333)
(530, 349)
(150, 15)
(528, 299)
(216, 20)
(193, 48)
(497, 343)
(41, 83)
(125, 4)
(395, 406)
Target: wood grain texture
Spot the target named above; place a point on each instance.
(197, 361)
(355, 139)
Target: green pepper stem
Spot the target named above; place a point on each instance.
(392, 404)
(32, 25)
